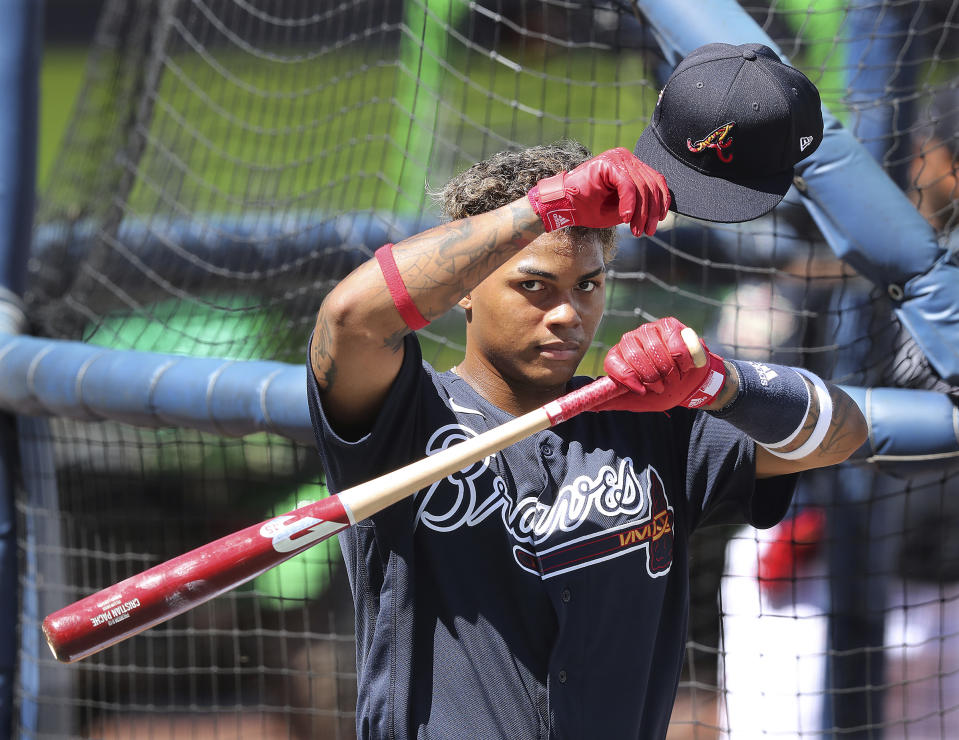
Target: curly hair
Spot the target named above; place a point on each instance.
(508, 176)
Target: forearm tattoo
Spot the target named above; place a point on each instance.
(842, 434)
(809, 424)
(324, 366)
(438, 267)
(443, 264)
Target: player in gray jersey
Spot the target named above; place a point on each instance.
(543, 592)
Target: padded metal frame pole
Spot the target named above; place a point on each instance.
(20, 51)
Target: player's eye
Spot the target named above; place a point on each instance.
(588, 286)
(532, 285)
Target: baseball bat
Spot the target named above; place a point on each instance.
(178, 585)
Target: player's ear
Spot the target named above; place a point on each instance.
(466, 303)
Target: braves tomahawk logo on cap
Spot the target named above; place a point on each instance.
(718, 139)
(717, 89)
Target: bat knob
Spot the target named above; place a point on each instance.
(694, 346)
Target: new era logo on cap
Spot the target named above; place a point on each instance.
(805, 141)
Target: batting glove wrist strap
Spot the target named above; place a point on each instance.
(549, 200)
(712, 383)
(772, 406)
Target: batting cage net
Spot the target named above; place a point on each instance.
(229, 161)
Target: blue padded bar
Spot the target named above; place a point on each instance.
(20, 359)
(37, 376)
(864, 216)
(908, 426)
(120, 386)
(50, 377)
(241, 244)
(182, 394)
(283, 399)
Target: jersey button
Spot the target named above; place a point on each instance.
(566, 595)
(546, 449)
(562, 676)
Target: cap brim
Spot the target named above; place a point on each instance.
(711, 198)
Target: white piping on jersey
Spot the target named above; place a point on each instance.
(463, 410)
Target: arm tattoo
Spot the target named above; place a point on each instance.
(812, 418)
(448, 261)
(324, 367)
(839, 436)
(395, 340)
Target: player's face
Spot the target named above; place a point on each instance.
(532, 320)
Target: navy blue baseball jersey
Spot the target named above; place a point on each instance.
(540, 593)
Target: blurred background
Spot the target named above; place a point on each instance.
(68, 30)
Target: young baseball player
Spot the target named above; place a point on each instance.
(543, 592)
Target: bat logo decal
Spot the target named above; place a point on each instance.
(716, 140)
(289, 533)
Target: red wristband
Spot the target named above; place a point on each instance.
(394, 283)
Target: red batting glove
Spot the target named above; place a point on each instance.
(611, 188)
(655, 364)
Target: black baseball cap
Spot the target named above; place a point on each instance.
(728, 128)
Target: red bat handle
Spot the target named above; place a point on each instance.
(604, 389)
(171, 588)
(583, 399)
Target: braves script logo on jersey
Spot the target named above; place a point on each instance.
(637, 503)
(716, 140)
